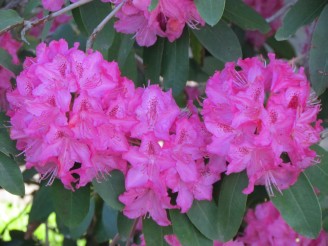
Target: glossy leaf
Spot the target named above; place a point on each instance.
(319, 54)
(106, 228)
(42, 205)
(244, 16)
(154, 234)
(301, 13)
(175, 64)
(9, 17)
(11, 178)
(7, 146)
(220, 41)
(231, 205)
(152, 58)
(300, 208)
(6, 62)
(203, 214)
(282, 49)
(186, 231)
(318, 173)
(110, 189)
(71, 207)
(210, 10)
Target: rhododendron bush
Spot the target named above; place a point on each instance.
(166, 122)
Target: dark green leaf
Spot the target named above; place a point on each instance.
(154, 234)
(71, 207)
(6, 62)
(91, 15)
(300, 208)
(185, 230)
(319, 54)
(8, 18)
(124, 226)
(41, 206)
(153, 5)
(282, 49)
(175, 65)
(111, 188)
(231, 205)
(244, 16)
(11, 178)
(152, 58)
(318, 173)
(203, 214)
(106, 228)
(211, 64)
(220, 41)
(302, 13)
(210, 10)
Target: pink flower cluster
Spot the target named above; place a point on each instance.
(167, 20)
(76, 118)
(266, 9)
(265, 226)
(11, 46)
(263, 120)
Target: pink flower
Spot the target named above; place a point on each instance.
(172, 240)
(263, 120)
(166, 20)
(265, 226)
(11, 46)
(65, 115)
(53, 5)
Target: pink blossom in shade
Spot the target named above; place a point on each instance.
(263, 119)
(167, 20)
(172, 240)
(229, 243)
(156, 113)
(266, 9)
(11, 46)
(53, 5)
(142, 201)
(63, 114)
(265, 226)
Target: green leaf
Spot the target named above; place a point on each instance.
(282, 49)
(124, 226)
(210, 10)
(154, 234)
(203, 214)
(300, 208)
(6, 62)
(8, 18)
(79, 230)
(318, 173)
(244, 16)
(175, 64)
(42, 205)
(152, 57)
(11, 178)
(153, 5)
(106, 228)
(185, 230)
(231, 205)
(220, 41)
(301, 13)
(319, 54)
(71, 207)
(91, 15)
(110, 188)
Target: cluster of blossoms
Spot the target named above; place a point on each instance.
(263, 120)
(11, 46)
(76, 118)
(265, 226)
(167, 20)
(266, 9)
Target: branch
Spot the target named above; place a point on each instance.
(280, 12)
(102, 24)
(133, 229)
(28, 24)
